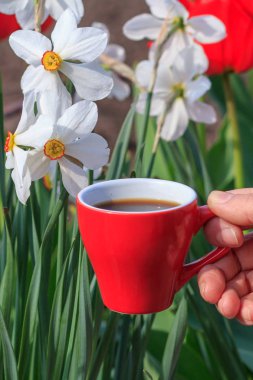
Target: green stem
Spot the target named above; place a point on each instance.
(91, 177)
(32, 303)
(140, 148)
(237, 148)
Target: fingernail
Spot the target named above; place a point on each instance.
(228, 236)
(220, 196)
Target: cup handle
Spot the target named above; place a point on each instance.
(189, 270)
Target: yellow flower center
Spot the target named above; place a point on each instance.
(51, 61)
(54, 149)
(179, 90)
(10, 142)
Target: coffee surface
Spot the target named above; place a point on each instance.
(136, 205)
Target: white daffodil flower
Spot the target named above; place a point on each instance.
(24, 10)
(121, 89)
(68, 141)
(70, 45)
(205, 29)
(48, 104)
(177, 91)
(16, 157)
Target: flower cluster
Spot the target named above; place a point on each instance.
(51, 129)
(176, 64)
(24, 10)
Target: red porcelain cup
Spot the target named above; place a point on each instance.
(138, 257)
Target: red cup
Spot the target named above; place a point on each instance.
(138, 257)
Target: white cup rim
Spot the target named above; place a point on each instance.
(94, 192)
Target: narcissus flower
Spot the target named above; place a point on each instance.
(177, 91)
(24, 10)
(68, 141)
(71, 52)
(235, 52)
(121, 89)
(169, 13)
(16, 157)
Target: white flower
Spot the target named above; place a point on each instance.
(176, 92)
(68, 141)
(204, 29)
(24, 10)
(121, 89)
(69, 45)
(16, 156)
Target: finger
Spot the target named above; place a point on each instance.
(223, 234)
(229, 304)
(229, 265)
(212, 283)
(245, 314)
(234, 208)
(241, 284)
(245, 255)
(247, 190)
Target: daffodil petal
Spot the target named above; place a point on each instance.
(143, 73)
(10, 162)
(142, 26)
(158, 8)
(89, 84)
(37, 79)
(38, 164)
(48, 102)
(73, 177)
(197, 88)
(121, 90)
(91, 150)
(56, 8)
(84, 44)
(176, 121)
(116, 52)
(29, 45)
(25, 17)
(20, 157)
(64, 26)
(77, 121)
(207, 29)
(28, 116)
(37, 135)
(22, 185)
(10, 7)
(188, 63)
(202, 113)
(157, 104)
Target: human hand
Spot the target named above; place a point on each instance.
(228, 283)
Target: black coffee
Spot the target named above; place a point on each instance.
(136, 205)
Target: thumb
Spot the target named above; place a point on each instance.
(234, 208)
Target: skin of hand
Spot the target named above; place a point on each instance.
(229, 282)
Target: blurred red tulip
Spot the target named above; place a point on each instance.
(8, 24)
(235, 52)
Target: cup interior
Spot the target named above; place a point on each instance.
(137, 188)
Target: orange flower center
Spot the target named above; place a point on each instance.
(54, 149)
(51, 61)
(9, 143)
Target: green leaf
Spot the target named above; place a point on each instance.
(2, 153)
(119, 152)
(10, 365)
(175, 341)
(220, 159)
(103, 346)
